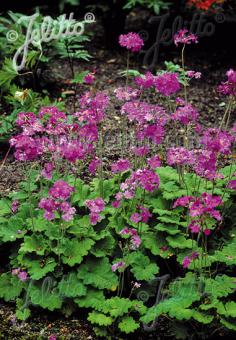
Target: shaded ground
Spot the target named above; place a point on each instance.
(42, 326)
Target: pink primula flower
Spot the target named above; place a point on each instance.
(132, 41)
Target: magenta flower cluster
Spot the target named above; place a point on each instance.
(52, 133)
(95, 206)
(188, 259)
(47, 171)
(145, 81)
(121, 165)
(185, 114)
(142, 216)
(229, 87)
(132, 41)
(217, 141)
(22, 274)
(94, 165)
(117, 265)
(89, 78)
(57, 202)
(142, 178)
(154, 162)
(166, 83)
(15, 206)
(180, 156)
(203, 161)
(185, 37)
(135, 240)
(232, 184)
(199, 209)
(127, 93)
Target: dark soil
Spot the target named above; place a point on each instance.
(212, 63)
(44, 325)
(41, 326)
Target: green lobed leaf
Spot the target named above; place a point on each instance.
(100, 319)
(168, 228)
(92, 299)
(81, 194)
(128, 325)
(5, 207)
(75, 250)
(46, 298)
(167, 174)
(179, 242)
(115, 306)
(103, 247)
(10, 286)
(228, 309)
(38, 269)
(12, 229)
(34, 243)
(221, 286)
(71, 286)
(81, 227)
(228, 324)
(182, 294)
(98, 273)
(22, 313)
(141, 266)
(228, 253)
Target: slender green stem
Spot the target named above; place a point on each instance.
(195, 184)
(127, 70)
(183, 180)
(30, 199)
(198, 187)
(100, 149)
(122, 283)
(227, 113)
(185, 79)
(123, 125)
(229, 178)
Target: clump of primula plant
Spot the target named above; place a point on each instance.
(166, 209)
